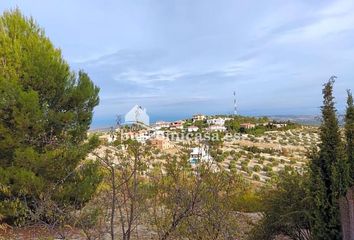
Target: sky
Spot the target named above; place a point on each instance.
(181, 57)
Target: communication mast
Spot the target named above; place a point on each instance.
(235, 105)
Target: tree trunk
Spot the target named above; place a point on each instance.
(113, 202)
(347, 215)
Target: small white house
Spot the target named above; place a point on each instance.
(216, 128)
(192, 129)
(136, 115)
(216, 121)
(279, 125)
(176, 125)
(142, 136)
(162, 124)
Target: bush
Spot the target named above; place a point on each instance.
(256, 168)
(267, 168)
(285, 208)
(256, 177)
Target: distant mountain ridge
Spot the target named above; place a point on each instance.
(304, 119)
(301, 119)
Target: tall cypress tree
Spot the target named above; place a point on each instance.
(349, 133)
(329, 172)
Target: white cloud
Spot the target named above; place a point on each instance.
(146, 77)
(338, 7)
(238, 67)
(330, 21)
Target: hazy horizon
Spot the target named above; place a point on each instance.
(178, 58)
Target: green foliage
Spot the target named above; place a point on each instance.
(255, 149)
(306, 207)
(232, 166)
(349, 133)
(45, 112)
(195, 203)
(329, 172)
(256, 168)
(257, 131)
(248, 201)
(200, 124)
(256, 177)
(267, 168)
(285, 206)
(234, 125)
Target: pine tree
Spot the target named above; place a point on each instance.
(349, 133)
(329, 172)
(45, 112)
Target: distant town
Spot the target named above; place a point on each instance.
(255, 146)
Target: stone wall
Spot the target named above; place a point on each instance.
(347, 215)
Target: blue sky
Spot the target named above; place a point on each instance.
(179, 57)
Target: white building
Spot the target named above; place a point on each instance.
(279, 125)
(198, 117)
(162, 124)
(216, 121)
(216, 128)
(137, 115)
(176, 125)
(192, 129)
(200, 154)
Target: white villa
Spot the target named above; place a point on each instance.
(137, 114)
(216, 121)
(216, 128)
(200, 154)
(192, 129)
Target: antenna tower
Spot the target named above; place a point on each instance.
(235, 106)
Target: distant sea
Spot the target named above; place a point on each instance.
(110, 121)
